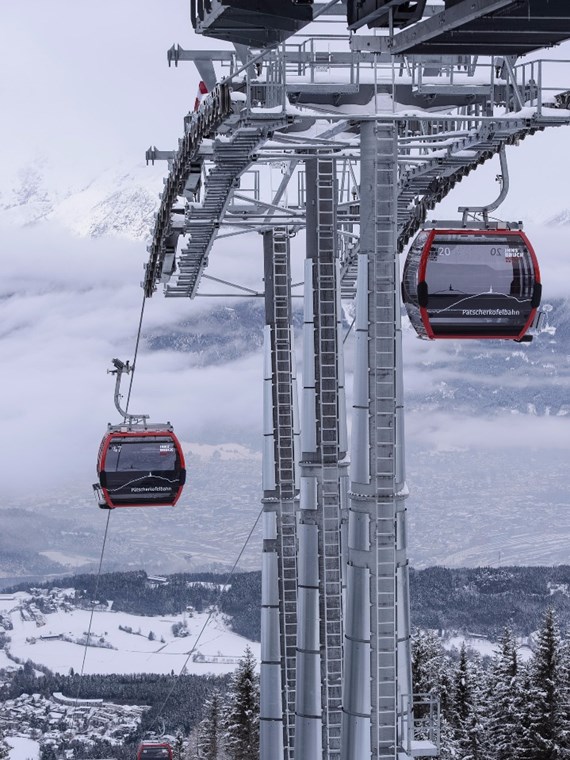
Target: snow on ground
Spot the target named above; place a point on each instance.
(10, 601)
(6, 663)
(483, 646)
(130, 652)
(22, 748)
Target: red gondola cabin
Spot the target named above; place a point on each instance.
(472, 283)
(154, 751)
(140, 467)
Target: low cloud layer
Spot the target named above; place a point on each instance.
(69, 305)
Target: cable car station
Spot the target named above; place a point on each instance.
(369, 112)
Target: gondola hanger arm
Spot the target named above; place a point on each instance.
(503, 178)
(120, 368)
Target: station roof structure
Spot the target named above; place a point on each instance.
(465, 27)
(271, 110)
(255, 23)
(487, 27)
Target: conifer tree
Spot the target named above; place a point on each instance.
(466, 714)
(210, 730)
(4, 749)
(431, 679)
(178, 752)
(526, 715)
(548, 725)
(430, 667)
(241, 735)
(565, 690)
(192, 744)
(505, 703)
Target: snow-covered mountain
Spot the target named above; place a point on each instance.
(561, 219)
(119, 202)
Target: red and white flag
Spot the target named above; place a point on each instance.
(202, 92)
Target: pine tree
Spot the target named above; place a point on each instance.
(192, 746)
(548, 726)
(210, 729)
(565, 693)
(4, 749)
(431, 679)
(466, 715)
(430, 668)
(506, 708)
(178, 749)
(241, 735)
(526, 714)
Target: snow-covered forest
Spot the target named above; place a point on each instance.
(498, 708)
(493, 709)
(504, 709)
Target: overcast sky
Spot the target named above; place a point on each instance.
(86, 85)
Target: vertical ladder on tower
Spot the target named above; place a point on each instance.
(285, 446)
(382, 310)
(328, 414)
(319, 703)
(279, 586)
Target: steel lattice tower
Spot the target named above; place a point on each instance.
(374, 130)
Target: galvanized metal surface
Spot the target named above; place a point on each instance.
(362, 162)
(323, 445)
(280, 491)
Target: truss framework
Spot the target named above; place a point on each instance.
(406, 130)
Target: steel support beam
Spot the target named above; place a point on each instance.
(370, 658)
(448, 19)
(323, 445)
(280, 489)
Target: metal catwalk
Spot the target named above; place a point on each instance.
(364, 144)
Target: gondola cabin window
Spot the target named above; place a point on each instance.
(471, 284)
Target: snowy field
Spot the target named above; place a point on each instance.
(483, 646)
(119, 651)
(22, 748)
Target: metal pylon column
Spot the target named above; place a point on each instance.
(371, 671)
(279, 564)
(323, 446)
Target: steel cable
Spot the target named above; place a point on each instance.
(93, 603)
(210, 614)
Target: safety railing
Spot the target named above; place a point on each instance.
(420, 720)
(541, 84)
(200, 124)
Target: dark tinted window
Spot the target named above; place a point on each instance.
(125, 455)
(472, 265)
(479, 284)
(154, 753)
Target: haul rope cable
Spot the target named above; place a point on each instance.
(94, 600)
(210, 614)
(93, 603)
(135, 354)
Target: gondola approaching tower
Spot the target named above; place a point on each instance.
(472, 283)
(139, 464)
(156, 750)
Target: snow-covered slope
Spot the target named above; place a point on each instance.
(119, 202)
(560, 219)
(121, 642)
